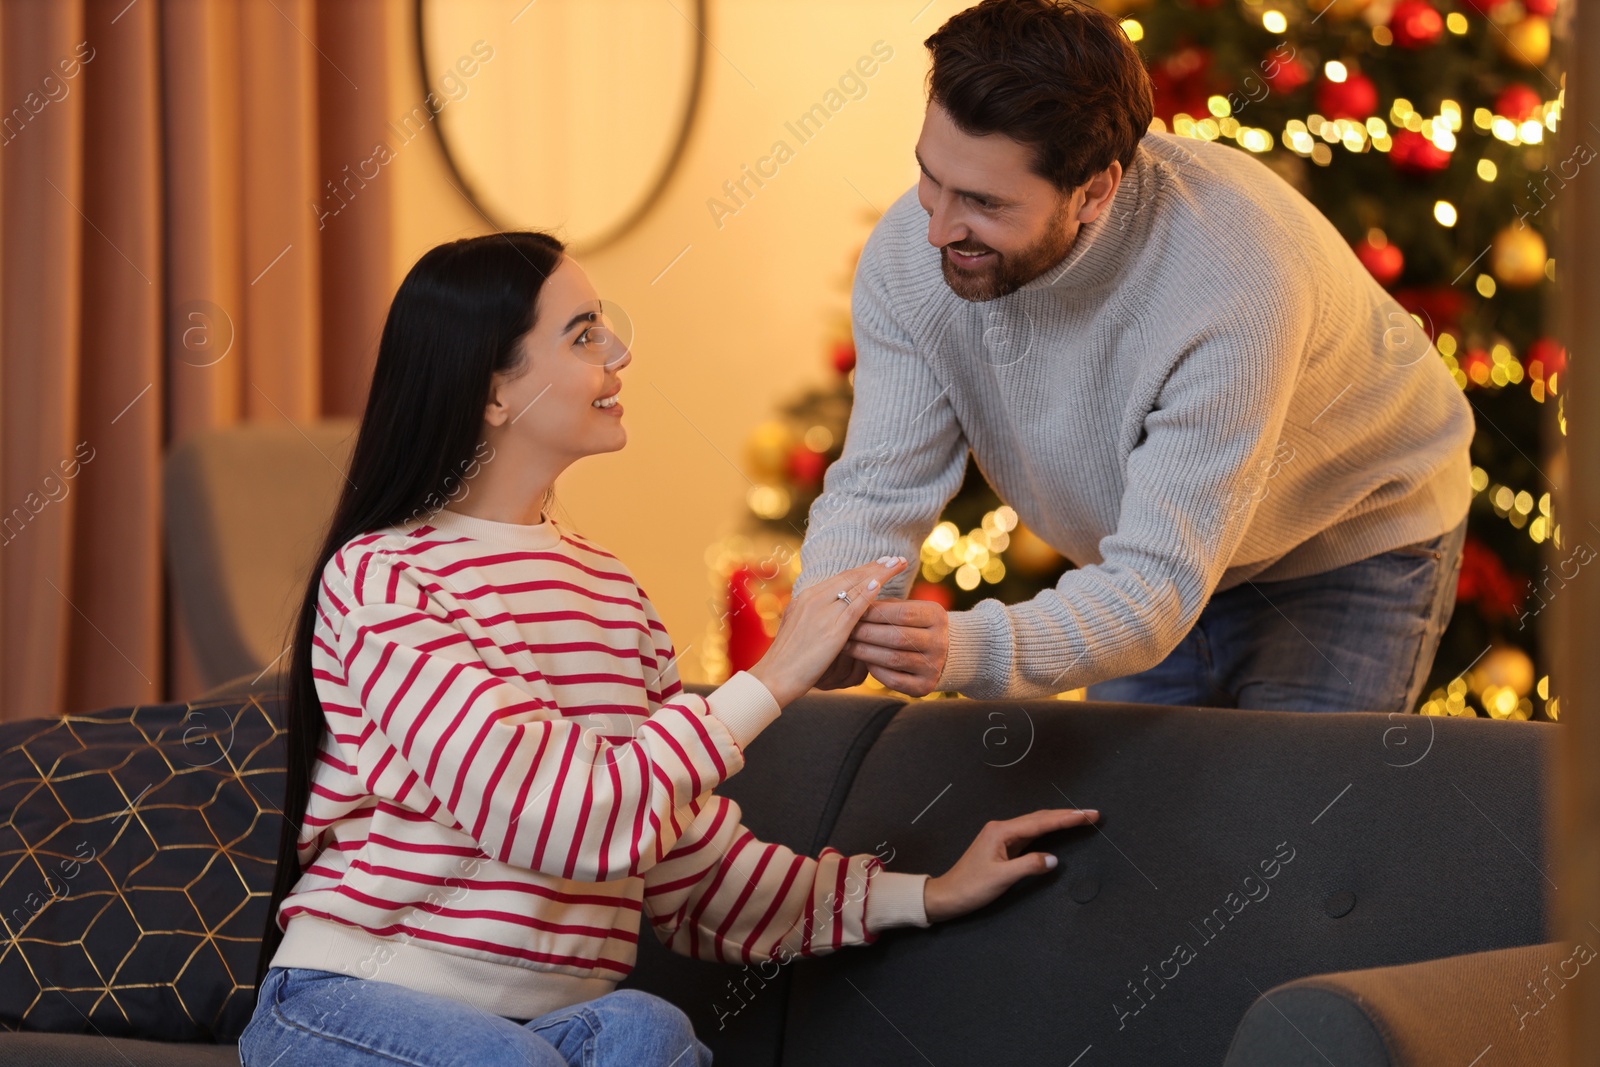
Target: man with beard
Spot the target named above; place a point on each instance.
(1173, 368)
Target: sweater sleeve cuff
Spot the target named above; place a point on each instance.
(744, 705)
(895, 899)
(964, 660)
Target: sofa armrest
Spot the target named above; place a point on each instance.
(1449, 1010)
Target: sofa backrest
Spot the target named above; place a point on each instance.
(1236, 850)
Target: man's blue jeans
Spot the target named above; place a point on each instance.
(309, 1017)
(1357, 638)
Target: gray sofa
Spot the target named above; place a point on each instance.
(1263, 888)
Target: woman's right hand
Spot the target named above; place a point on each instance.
(815, 626)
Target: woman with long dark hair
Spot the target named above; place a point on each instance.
(494, 772)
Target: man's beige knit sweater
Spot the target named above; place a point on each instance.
(1209, 389)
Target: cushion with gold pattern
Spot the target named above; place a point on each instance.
(136, 857)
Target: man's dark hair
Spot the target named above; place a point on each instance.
(1056, 75)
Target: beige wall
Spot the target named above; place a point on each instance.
(741, 321)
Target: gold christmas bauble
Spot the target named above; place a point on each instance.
(766, 449)
(1517, 256)
(1030, 554)
(1527, 41)
(1506, 667)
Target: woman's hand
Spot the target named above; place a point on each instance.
(815, 626)
(991, 864)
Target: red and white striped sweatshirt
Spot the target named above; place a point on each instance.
(512, 772)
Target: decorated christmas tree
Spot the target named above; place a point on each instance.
(1426, 134)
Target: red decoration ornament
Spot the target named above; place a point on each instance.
(1439, 306)
(1182, 82)
(843, 356)
(1484, 579)
(1354, 98)
(1284, 76)
(804, 467)
(1517, 102)
(748, 639)
(1415, 24)
(934, 592)
(1415, 154)
(1544, 358)
(1542, 8)
(1384, 262)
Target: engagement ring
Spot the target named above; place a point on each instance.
(842, 595)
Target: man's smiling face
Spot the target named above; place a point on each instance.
(996, 223)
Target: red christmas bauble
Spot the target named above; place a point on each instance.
(1484, 579)
(1542, 8)
(804, 467)
(1548, 353)
(1384, 262)
(1517, 102)
(1284, 76)
(843, 356)
(931, 591)
(1353, 98)
(1439, 306)
(1415, 24)
(1182, 82)
(1415, 154)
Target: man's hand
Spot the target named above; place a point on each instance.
(845, 672)
(903, 643)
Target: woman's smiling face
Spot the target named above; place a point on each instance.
(564, 404)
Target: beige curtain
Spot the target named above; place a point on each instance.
(163, 271)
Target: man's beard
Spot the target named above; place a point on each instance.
(1006, 273)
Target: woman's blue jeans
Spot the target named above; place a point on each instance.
(309, 1017)
(1357, 638)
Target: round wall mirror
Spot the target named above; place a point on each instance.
(564, 115)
